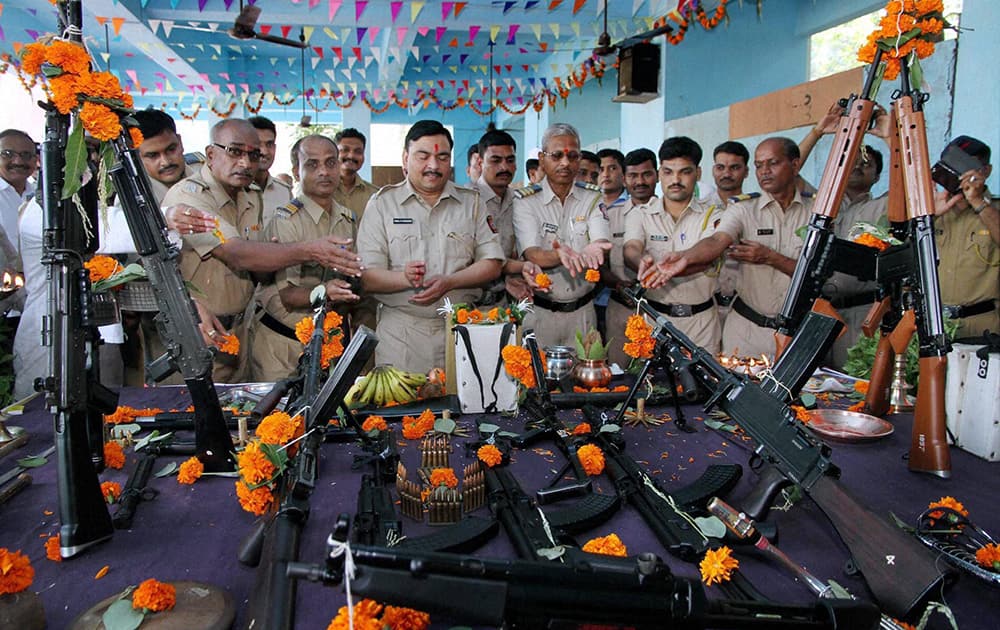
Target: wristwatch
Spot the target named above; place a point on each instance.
(987, 198)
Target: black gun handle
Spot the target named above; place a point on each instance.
(270, 400)
(133, 493)
(252, 546)
(758, 502)
(528, 438)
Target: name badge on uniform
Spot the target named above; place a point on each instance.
(550, 227)
(402, 220)
(765, 231)
(618, 235)
(660, 238)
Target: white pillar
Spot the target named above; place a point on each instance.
(360, 117)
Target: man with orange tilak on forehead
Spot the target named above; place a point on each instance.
(421, 241)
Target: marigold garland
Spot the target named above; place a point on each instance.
(279, 428)
(254, 466)
(415, 428)
(610, 545)
(592, 275)
(333, 346)
(988, 557)
(154, 596)
(908, 27)
(190, 471)
(718, 565)
(639, 333)
(114, 455)
(126, 415)
(489, 455)
(136, 136)
(16, 572)
(591, 458)
(256, 501)
(374, 423)
(111, 490)
(101, 267)
(517, 363)
(443, 477)
(870, 240)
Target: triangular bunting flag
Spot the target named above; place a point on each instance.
(332, 9)
(359, 8)
(494, 30)
(439, 33)
(459, 7)
(511, 32)
(307, 31)
(394, 8)
(507, 5)
(415, 8)
(401, 35)
(446, 10)
(361, 33)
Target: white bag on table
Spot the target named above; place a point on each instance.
(980, 423)
(482, 383)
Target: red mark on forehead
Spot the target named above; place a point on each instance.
(435, 148)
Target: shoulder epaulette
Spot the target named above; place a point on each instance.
(744, 197)
(195, 157)
(588, 186)
(527, 191)
(193, 184)
(281, 183)
(289, 208)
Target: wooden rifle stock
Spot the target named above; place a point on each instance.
(877, 398)
(928, 442)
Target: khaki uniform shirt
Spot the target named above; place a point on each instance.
(356, 198)
(715, 199)
(969, 271)
(399, 227)
(160, 189)
(500, 217)
(225, 292)
(618, 213)
(275, 194)
(540, 219)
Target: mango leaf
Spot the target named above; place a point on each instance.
(485, 427)
(76, 161)
(711, 526)
(32, 462)
(719, 426)
(167, 470)
(808, 401)
(445, 425)
(609, 428)
(507, 434)
(131, 272)
(916, 72)
(121, 616)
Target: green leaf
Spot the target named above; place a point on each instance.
(916, 72)
(445, 425)
(76, 161)
(278, 456)
(486, 427)
(32, 462)
(609, 428)
(580, 352)
(808, 401)
(131, 272)
(154, 436)
(719, 426)
(711, 526)
(167, 470)
(507, 434)
(121, 616)
(801, 231)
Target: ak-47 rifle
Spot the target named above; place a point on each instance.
(900, 573)
(909, 288)
(177, 319)
(823, 253)
(635, 592)
(273, 601)
(73, 391)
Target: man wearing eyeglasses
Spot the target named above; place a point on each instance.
(220, 263)
(424, 240)
(18, 163)
(561, 226)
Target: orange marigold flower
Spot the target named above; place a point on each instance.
(581, 429)
(988, 557)
(100, 85)
(861, 387)
(255, 501)
(114, 455)
(610, 545)
(592, 275)
(489, 455)
(443, 477)
(543, 280)
(475, 316)
(127, 100)
(592, 459)
(493, 315)
(718, 565)
(870, 240)
(640, 349)
(412, 429)
(69, 56)
(330, 351)
(280, 428)
(947, 502)
(462, 316)
(332, 320)
(32, 58)
(100, 121)
(136, 136)
(361, 622)
(637, 328)
(52, 549)
(16, 572)
(229, 344)
(398, 618)
(802, 414)
(304, 330)
(190, 471)
(253, 464)
(111, 490)
(374, 422)
(101, 267)
(858, 407)
(517, 363)
(65, 96)
(154, 596)
(620, 388)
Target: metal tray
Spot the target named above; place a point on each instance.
(839, 425)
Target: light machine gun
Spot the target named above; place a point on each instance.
(900, 573)
(177, 319)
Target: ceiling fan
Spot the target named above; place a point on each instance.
(605, 47)
(244, 28)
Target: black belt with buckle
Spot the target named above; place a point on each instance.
(968, 310)
(857, 299)
(277, 326)
(749, 313)
(564, 307)
(681, 310)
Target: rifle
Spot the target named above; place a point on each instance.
(910, 288)
(135, 490)
(73, 391)
(273, 600)
(637, 592)
(177, 319)
(900, 573)
(823, 253)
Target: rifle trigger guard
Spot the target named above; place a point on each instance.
(756, 462)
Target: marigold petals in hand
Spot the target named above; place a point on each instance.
(592, 275)
(543, 280)
(229, 344)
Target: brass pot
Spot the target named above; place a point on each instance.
(591, 373)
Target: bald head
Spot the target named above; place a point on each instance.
(234, 154)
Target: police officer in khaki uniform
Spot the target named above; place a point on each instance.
(422, 241)
(353, 192)
(219, 263)
(274, 193)
(674, 224)
(497, 150)
(312, 214)
(967, 228)
(561, 227)
(760, 234)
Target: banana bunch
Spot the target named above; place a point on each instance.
(385, 384)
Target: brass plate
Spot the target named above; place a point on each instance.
(848, 426)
